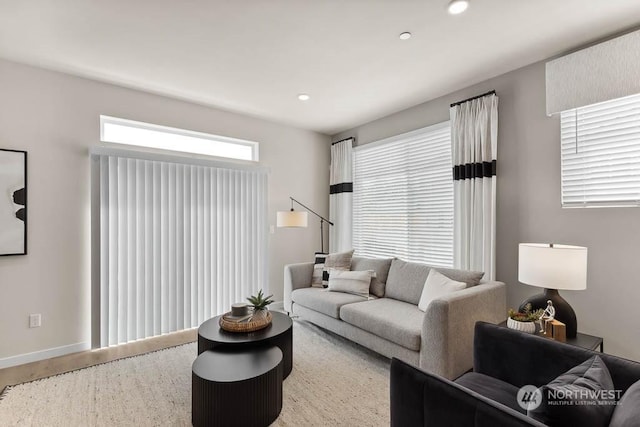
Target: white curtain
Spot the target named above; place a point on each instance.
(474, 138)
(179, 243)
(341, 196)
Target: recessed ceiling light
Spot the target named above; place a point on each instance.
(405, 36)
(458, 6)
(304, 97)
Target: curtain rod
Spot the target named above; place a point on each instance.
(343, 140)
(492, 92)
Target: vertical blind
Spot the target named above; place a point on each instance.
(601, 154)
(403, 197)
(179, 243)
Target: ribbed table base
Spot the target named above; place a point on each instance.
(255, 401)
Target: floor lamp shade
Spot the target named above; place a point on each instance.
(291, 219)
(553, 267)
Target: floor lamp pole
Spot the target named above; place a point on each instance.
(322, 221)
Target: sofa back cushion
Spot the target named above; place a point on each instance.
(380, 266)
(336, 261)
(406, 279)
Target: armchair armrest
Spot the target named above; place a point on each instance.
(296, 276)
(448, 327)
(420, 398)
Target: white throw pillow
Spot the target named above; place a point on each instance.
(437, 285)
(351, 282)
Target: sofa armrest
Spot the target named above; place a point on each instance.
(296, 276)
(421, 398)
(448, 327)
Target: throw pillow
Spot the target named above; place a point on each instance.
(380, 266)
(572, 398)
(318, 269)
(437, 285)
(351, 282)
(471, 278)
(627, 412)
(336, 261)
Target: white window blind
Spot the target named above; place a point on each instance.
(601, 154)
(403, 197)
(179, 243)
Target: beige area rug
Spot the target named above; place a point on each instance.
(333, 383)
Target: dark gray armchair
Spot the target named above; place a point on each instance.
(504, 361)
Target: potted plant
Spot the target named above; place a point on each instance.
(524, 321)
(260, 304)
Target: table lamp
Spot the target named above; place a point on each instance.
(553, 267)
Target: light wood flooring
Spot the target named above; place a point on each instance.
(71, 362)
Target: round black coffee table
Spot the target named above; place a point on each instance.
(236, 388)
(279, 333)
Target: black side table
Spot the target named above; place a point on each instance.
(589, 342)
(236, 388)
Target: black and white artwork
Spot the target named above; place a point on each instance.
(13, 202)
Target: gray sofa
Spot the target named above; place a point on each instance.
(439, 340)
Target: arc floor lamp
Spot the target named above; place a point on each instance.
(297, 219)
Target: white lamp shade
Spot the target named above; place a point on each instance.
(553, 267)
(291, 219)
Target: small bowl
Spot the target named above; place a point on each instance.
(239, 309)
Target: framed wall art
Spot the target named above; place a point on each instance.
(13, 202)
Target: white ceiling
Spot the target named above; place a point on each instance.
(256, 56)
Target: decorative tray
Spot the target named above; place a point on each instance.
(259, 320)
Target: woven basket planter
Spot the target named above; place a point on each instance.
(260, 320)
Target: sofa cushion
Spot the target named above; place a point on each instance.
(336, 261)
(396, 321)
(351, 282)
(436, 286)
(406, 279)
(323, 301)
(471, 278)
(380, 266)
(627, 412)
(566, 401)
(492, 388)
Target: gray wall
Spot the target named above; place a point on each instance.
(529, 206)
(55, 117)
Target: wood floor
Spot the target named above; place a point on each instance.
(71, 362)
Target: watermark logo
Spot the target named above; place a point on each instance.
(529, 397)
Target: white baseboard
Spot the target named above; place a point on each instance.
(21, 359)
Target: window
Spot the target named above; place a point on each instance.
(403, 197)
(121, 131)
(601, 154)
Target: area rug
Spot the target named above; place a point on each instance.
(333, 383)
